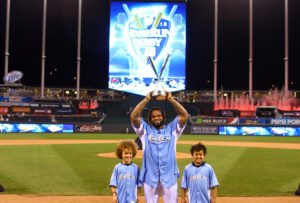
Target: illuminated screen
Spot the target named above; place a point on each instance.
(36, 128)
(255, 130)
(139, 30)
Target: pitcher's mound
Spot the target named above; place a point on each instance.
(139, 155)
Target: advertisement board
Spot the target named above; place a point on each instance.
(42, 111)
(50, 105)
(228, 113)
(19, 109)
(36, 128)
(211, 120)
(247, 114)
(15, 99)
(259, 130)
(285, 121)
(4, 110)
(251, 121)
(64, 111)
(13, 76)
(88, 128)
(295, 114)
(199, 129)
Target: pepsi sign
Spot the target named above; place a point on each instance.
(13, 76)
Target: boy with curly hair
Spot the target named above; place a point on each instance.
(124, 183)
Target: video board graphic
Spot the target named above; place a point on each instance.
(259, 130)
(35, 128)
(142, 29)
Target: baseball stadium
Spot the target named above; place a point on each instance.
(82, 77)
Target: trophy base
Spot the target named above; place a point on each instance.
(159, 95)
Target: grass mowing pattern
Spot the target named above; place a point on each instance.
(256, 171)
(75, 169)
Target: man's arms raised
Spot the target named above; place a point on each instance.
(182, 113)
(135, 115)
(137, 111)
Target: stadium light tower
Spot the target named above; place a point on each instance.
(43, 50)
(286, 42)
(78, 48)
(250, 48)
(216, 51)
(7, 37)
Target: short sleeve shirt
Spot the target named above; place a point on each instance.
(159, 153)
(198, 180)
(125, 179)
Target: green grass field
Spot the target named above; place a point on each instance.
(75, 169)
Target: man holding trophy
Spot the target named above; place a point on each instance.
(159, 171)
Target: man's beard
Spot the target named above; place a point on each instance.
(157, 126)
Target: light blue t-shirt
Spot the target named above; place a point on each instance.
(198, 180)
(125, 179)
(159, 153)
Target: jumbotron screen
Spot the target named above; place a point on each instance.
(147, 46)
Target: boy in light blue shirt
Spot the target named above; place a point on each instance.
(124, 182)
(199, 178)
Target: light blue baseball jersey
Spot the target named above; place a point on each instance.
(125, 178)
(159, 153)
(198, 180)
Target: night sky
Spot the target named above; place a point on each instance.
(61, 45)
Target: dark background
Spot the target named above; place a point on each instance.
(233, 70)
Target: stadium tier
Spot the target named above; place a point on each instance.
(20, 103)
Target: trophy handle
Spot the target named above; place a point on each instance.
(150, 60)
(164, 65)
(159, 93)
(162, 70)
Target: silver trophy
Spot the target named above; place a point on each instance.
(159, 92)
